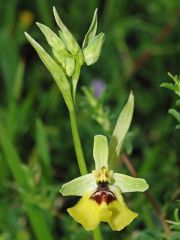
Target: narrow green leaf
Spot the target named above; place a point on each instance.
(12, 158)
(92, 30)
(129, 184)
(175, 114)
(168, 86)
(18, 81)
(100, 152)
(37, 219)
(42, 147)
(120, 130)
(79, 186)
(44, 11)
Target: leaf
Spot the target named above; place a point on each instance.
(18, 81)
(100, 152)
(168, 86)
(79, 186)
(12, 158)
(129, 184)
(178, 127)
(120, 130)
(42, 147)
(175, 114)
(178, 103)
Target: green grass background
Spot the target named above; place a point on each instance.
(36, 148)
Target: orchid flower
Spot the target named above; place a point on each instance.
(102, 189)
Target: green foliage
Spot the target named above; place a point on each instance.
(176, 89)
(142, 44)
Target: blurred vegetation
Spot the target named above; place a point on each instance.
(36, 147)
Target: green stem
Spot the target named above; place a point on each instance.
(97, 234)
(77, 143)
(80, 158)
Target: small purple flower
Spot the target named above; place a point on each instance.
(98, 87)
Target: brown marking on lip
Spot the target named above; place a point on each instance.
(103, 194)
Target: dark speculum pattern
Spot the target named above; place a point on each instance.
(103, 194)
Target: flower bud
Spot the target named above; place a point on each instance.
(93, 49)
(59, 57)
(66, 36)
(69, 66)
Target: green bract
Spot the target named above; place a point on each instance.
(120, 130)
(55, 70)
(101, 153)
(67, 37)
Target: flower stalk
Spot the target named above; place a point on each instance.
(80, 158)
(77, 143)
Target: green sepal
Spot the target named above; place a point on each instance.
(120, 130)
(93, 50)
(55, 70)
(79, 186)
(53, 40)
(66, 35)
(92, 30)
(100, 152)
(129, 184)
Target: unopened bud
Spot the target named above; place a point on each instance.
(66, 36)
(93, 49)
(59, 57)
(69, 66)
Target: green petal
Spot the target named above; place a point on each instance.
(120, 130)
(79, 186)
(129, 184)
(100, 151)
(92, 30)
